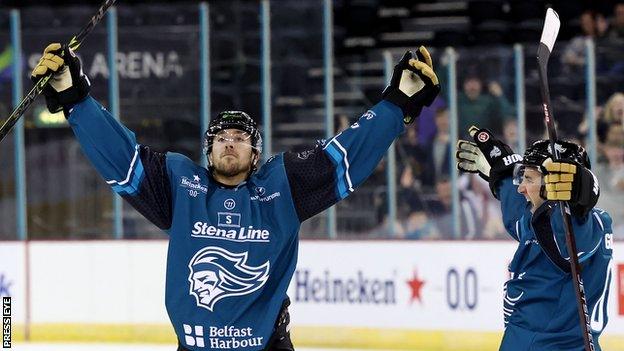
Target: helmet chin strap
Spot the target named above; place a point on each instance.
(542, 192)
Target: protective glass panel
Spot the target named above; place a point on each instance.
(609, 168)
(7, 149)
(358, 82)
(66, 197)
(158, 67)
(485, 98)
(297, 79)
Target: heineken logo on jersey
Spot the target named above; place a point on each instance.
(193, 184)
(216, 273)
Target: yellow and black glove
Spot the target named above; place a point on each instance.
(570, 181)
(414, 84)
(68, 85)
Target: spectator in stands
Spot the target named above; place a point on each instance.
(614, 109)
(415, 224)
(612, 113)
(440, 212)
(615, 35)
(510, 133)
(437, 162)
(610, 173)
(487, 208)
(476, 107)
(593, 26)
(341, 123)
(426, 121)
(414, 156)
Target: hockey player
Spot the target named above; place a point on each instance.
(233, 230)
(539, 306)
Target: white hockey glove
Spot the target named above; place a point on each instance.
(414, 84)
(68, 85)
(471, 159)
(493, 161)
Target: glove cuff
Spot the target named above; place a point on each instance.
(396, 97)
(78, 91)
(496, 175)
(587, 194)
(66, 99)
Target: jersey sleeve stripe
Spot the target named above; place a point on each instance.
(599, 221)
(133, 187)
(134, 159)
(599, 315)
(346, 162)
(517, 236)
(341, 171)
(583, 256)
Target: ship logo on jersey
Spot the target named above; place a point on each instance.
(216, 273)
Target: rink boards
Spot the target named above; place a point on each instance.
(389, 294)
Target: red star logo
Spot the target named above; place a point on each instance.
(415, 284)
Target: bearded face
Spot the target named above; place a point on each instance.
(232, 154)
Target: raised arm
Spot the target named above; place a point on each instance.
(133, 171)
(329, 172)
(569, 180)
(494, 161)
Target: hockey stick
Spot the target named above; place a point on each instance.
(74, 44)
(549, 35)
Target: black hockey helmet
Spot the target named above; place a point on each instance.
(540, 150)
(232, 120)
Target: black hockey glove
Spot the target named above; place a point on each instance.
(496, 154)
(414, 84)
(568, 180)
(68, 84)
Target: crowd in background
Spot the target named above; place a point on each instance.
(424, 187)
(424, 154)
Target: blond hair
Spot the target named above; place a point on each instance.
(609, 113)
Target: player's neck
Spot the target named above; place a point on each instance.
(230, 181)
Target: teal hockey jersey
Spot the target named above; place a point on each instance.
(539, 305)
(232, 250)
